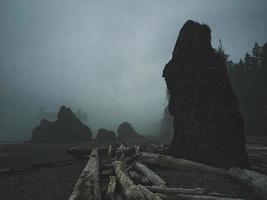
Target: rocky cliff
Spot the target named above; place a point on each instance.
(208, 126)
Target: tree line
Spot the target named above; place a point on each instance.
(249, 81)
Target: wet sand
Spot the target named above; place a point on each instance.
(22, 155)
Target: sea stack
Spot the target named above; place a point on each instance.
(208, 126)
(67, 128)
(126, 132)
(104, 134)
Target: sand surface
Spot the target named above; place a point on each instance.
(53, 183)
(57, 182)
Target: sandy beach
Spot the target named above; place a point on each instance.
(56, 182)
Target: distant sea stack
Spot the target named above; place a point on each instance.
(208, 126)
(103, 134)
(67, 128)
(126, 132)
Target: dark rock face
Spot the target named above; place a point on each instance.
(67, 128)
(265, 54)
(103, 134)
(126, 131)
(166, 128)
(208, 126)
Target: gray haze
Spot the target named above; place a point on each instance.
(104, 57)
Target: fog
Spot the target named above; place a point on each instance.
(104, 57)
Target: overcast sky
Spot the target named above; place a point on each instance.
(104, 57)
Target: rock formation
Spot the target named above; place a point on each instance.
(126, 132)
(208, 126)
(166, 126)
(67, 128)
(265, 54)
(103, 134)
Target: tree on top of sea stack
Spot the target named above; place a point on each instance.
(67, 128)
(208, 126)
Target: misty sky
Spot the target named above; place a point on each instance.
(104, 57)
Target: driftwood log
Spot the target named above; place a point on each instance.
(148, 194)
(176, 163)
(110, 150)
(149, 174)
(137, 149)
(131, 158)
(128, 169)
(111, 188)
(251, 179)
(120, 151)
(107, 172)
(124, 151)
(87, 187)
(195, 191)
(137, 177)
(167, 190)
(131, 191)
(193, 197)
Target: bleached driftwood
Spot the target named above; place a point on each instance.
(131, 158)
(87, 187)
(168, 190)
(111, 188)
(149, 174)
(132, 191)
(175, 163)
(148, 194)
(193, 197)
(137, 149)
(251, 179)
(195, 191)
(125, 151)
(138, 177)
(120, 151)
(110, 150)
(107, 172)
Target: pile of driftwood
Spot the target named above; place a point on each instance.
(129, 176)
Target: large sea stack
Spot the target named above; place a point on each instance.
(208, 126)
(67, 128)
(126, 132)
